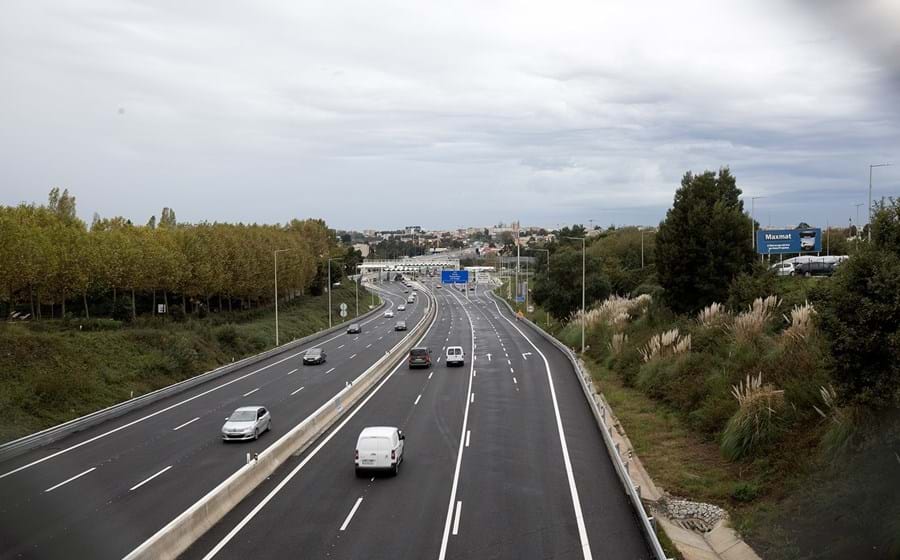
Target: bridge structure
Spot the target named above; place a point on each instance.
(420, 264)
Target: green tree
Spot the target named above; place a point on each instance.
(704, 241)
(561, 294)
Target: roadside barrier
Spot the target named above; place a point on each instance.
(190, 525)
(598, 409)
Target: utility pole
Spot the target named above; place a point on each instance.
(753, 200)
(870, 194)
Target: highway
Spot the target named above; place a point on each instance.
(503, 460)
(101, 492)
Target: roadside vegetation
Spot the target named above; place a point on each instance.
(93, 315)
(776, 398)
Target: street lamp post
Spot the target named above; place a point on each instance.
(276, 290)
(872, 166)
(582, 288)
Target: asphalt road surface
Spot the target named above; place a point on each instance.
(103, 491)
(503, 459)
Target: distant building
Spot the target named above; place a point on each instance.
(362, 248)
(413, 230)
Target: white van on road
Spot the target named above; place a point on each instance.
(379, 448)
(455, 356)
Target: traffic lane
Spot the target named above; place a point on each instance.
(83, 437)
(514, 495)
(117, 437)
(612, 526)
(44, 516)
(317, 501)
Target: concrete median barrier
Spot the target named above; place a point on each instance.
(184, 530)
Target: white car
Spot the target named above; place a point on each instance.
(379, 448)
(401, 307)
(247, 422)
(455, 356)
(389, 314)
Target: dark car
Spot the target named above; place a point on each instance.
(314, 356)
(354, 328)
(419, 357)
(814, 268)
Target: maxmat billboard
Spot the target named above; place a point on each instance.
(780, 241)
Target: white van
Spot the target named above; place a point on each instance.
(379, 448)
(455, 356)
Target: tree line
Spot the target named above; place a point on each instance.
(51, 261)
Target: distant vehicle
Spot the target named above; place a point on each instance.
(389, 314)
(354, 328)
(245, 423)
(401, 307)
(405, 291)
(455, 356)
(314, 356)
(788, 267)
(410, 299)
(379, 448)
(815, 268)
(400, 326)
(419, 357)
(438, 286)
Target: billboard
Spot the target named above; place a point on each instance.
(780, 241)
(455, 276)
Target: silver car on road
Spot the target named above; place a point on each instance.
(246, 423)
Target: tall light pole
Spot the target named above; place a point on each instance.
(753, 200)
(358, 278)
(872, 166)
(276, 290)
(582, 288)
(642, 246)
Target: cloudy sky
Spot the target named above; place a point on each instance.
(444, 114)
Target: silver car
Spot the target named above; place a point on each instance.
(246, 423)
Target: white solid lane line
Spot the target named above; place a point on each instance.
(248, 393)
(417, 399)
(350, 515)
(146, 480)
(292, 371)
(573, 489)
(68, 480)
(329, 371)
(456, 518)
(297, 391)
(249, 517)
(185, 424)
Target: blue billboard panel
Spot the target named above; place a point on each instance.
(454, 276)
(780, 241)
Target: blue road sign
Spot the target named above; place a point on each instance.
(454, 276)
(778, 241)
(520, 299)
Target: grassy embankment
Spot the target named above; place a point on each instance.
(51, 371)
(691, 433)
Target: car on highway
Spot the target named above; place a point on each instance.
(455, 356)
(354, 328)
(379, 448)
(400, 326)
(389, 314)
(314, 356)
(438, 286)
(247, 422)
(410, 299)
(405, 291)
(401, 307)
(419, 357)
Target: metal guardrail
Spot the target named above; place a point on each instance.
(599, 411)
(54, 433)
(190, 525)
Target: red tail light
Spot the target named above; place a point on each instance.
(357, 455)
(393, 455)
